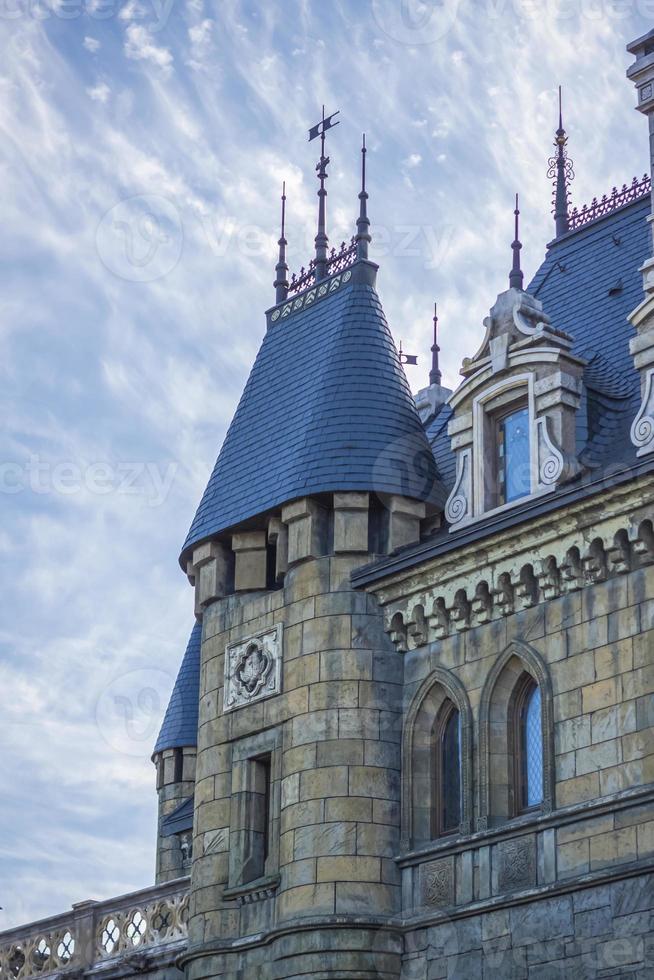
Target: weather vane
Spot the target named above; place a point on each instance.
(410, 359)
(321, 239)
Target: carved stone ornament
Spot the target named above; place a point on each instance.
(437, 883)
(253, 668)
(642, 428)
(517, 864)
(550, 457)
(459, 503)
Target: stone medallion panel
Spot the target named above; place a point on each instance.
(253, 668)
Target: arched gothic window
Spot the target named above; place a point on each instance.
(528, 745)
(436, 762)
(516, 738)
(446, 770)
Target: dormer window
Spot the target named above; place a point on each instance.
(513, 462)
(513, 426)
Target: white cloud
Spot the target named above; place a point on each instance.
(140, 46)
(91, 44)
(151, 372)
(99, 92)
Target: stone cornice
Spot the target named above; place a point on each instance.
(559, 552)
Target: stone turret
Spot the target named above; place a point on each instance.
(174, 757)
(297, 792)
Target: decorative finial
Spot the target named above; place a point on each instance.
(363, 223)
(321, 240)
(516, 277)
(561, 172)
(281, 281)
(435, 373)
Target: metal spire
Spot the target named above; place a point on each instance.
(321, 240)
(363, 222)
(561, 172)
(516, 277)
(281, 282)
(435, 373)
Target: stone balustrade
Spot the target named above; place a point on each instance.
(145, 930)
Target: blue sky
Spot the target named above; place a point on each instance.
(143, 147)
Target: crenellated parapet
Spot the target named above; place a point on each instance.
(348, 523)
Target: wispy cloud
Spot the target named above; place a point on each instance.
(139, 229)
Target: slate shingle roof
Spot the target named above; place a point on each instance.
(180, 724)
(326, 408)
(180, 819)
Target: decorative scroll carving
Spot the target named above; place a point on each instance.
(253, 668)
(642, 428)
(550, 457)
(459, 503)
(517, 864)
(437, 883)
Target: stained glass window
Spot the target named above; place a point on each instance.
(514, 475)
(532, 748)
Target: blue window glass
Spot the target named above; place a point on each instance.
(514, 461)
(533, 748)
(451, 773)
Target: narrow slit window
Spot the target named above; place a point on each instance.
(446, 804)
(528, 742)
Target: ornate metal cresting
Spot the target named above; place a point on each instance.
(336, 261)
(562, 173)
(140, 928)
(639, 187)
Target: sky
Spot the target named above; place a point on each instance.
(143, 146)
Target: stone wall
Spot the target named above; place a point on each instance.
(334, 738)
(603, 931)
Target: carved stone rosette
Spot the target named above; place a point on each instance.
(253, 668)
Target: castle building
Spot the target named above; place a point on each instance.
(412, 734)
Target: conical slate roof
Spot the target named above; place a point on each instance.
(326, 408)
(180, 724)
